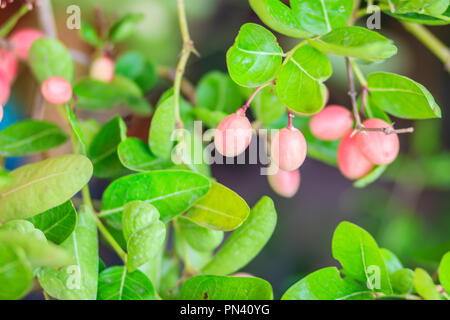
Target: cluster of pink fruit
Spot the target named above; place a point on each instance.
(357, 153)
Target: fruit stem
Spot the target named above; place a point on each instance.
(253, 95)
(291, 117)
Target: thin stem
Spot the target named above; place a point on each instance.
(439, 49)
(359, 74)
(117, 248)
(291, 117)
(254, 94)
(188, 48)
(187, 266)
(46, 18)
(10, 24)
(187, 88)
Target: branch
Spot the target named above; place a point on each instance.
(46, 19)
(11, 23)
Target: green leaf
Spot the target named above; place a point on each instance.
(116, 283)
(208, 117)
(103, 149)
(225, 288)
(77, 281)
(267, 107)
(48, 57)
(245, 242)
(89, 129)
(197, 259)
(360, 257)
(75, 125)
(401, 96)
(221, 209)
(30, 136)
(200, 238)
(430, 7)
(136, 216)
(320, 17)
(422, 18)
(44, 185)
(24, 227)
(279, 17)
(90, 35)
(138, 68)
(5, 177)
(355, 42)
(393, 264)
(125, 27)
(171, 192)
(299, 82)
(425, 286)
(170, 273)
(444, 272)
(136, 155)
(58, 223)
(161, 129)
(327, 284)
(216, 91)
(403, 281)
(255, 56)
(16, 276)
(371, 177)
(132, 96)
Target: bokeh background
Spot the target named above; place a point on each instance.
(407, 211)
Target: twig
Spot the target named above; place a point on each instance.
(10, 24)
(353, 94)
(46, 19)
(187, 88)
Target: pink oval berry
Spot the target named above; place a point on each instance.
(22, 40)
(378, 147)
(5, 89)
(103, 69)
(233, 135)
(242, 274)
(8, 65)
(285, 183)
(56, 90)
(289, 149)
(351, 162)
(331, 123)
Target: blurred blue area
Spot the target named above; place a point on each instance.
(12, 115)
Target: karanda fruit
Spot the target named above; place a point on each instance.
(285, 183)
(332, 123)
(22, 40)
(102, 69)
(56, 90)
(351, 162)
(289, 148)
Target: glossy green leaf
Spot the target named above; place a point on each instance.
(30, 136)
(116, 283)
(136, 216)
(245, 242)
(200, 238)
(430, 7)
(138, 68)
(58, 223)
(255, 57)
(393, 264)
(162, 128)
(355, 42)
(267, 107)
(132, 96)
(221, 209)
(279, 17)
(216, 91)
(210, 118)
(401, 96)
(171, 192)
(79, 280)
(44, 185)
(422, 18)
(403, 281)
(371, 177)
(136, 155)
(16, 276)
(360, 257)
(89, 34)
(103, 149)
(327, 284)
(48, 57)
(125, 27)
(444, 272)
(197, 259)
(321, 16)
(424, 285)
(225, 288)
(75, 125)
(299, 82)
(89, 129)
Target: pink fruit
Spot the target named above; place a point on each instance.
(289, 148)
(103, 69)
(331, 123)
(285, 183)
(351, 162)
(233, 134)
(8, 65)
(378, 147)
(5, 89)
(22, 41)
(56, 90)
(243, 274)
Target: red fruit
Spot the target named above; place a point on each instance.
(22, 41)
(8, 65)
(378, 147)
(5, 89)
(103, 69)
(351, 162)
(289, 149)
(56, 90)
(331, 123)
(233, 134)
(285, 183)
